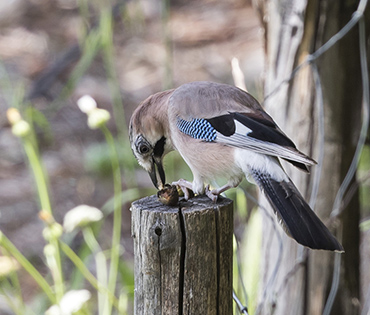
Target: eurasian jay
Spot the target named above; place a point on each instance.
(222, 131)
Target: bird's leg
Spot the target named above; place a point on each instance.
(185, 186)
(214, 193)
(210, 194)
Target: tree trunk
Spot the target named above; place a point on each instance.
(294, 29)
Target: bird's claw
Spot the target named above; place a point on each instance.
(185, 187)
(210, 194)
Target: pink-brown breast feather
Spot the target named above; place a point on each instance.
(208, 159)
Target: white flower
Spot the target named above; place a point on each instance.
(97, 118)
(70, 303)
(53, 310)
(21, 128)
(52, 231)
(13, 115)
(86, 104)
(7, 265)
(80, 216)
(73, 301)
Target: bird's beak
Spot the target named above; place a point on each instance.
(157, 173)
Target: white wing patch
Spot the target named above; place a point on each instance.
(241, 129)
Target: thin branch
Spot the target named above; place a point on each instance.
(321, 134)
(242, 309)
(337, 209)
(357, 15)
(334, 285)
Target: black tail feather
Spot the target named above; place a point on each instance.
(297, 218)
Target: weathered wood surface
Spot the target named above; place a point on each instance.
(294, 29)
(183, 256)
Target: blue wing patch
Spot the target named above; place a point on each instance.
(197, 128)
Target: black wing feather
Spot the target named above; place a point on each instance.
(262, 129)
(297, 218)
(224, 124)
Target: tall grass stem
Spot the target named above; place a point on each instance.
(24, 262)
(117, 214)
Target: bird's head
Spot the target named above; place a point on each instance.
(149, 136)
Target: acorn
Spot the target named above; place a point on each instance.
(181, 193)
(169, 195)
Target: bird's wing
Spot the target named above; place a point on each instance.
(209, 99)
(230, 116)
(258, 135)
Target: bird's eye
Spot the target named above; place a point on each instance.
(143, 148)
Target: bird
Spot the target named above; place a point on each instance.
(222, 131)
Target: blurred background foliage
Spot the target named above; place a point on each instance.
(54, 52)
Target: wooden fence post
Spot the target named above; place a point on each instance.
(183, 257)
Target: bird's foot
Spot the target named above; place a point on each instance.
(211, 194)
(186, 188)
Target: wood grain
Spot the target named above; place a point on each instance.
(183, 256)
